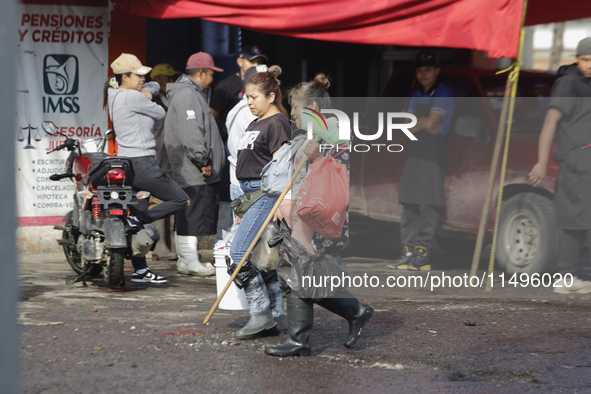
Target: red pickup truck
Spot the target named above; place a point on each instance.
(527, 240)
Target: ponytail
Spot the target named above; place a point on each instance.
(112, 83)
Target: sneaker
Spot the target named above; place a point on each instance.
(401, 263)
(576, 287)
(419, 264)
(134, 222)
(420, 260)
(146, 276)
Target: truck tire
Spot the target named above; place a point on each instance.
(113, 272)
(74, 258)
(527, 240)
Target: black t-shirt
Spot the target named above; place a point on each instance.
(256, 147)
(224, 98)
(571, 95)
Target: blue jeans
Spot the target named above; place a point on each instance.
(235, 191)
(251, 222)
(262, 291)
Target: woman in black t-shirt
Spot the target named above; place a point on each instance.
(263, 137)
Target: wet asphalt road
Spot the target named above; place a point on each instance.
(149, 338)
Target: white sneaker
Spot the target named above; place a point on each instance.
(146, 276)
(576, 287)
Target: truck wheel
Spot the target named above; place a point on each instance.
(74, 258)
(527, 241)
(113, 272)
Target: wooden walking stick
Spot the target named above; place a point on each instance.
(254, 241)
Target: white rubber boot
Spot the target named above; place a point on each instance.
(188, 262)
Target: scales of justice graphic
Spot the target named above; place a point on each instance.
(21, 137)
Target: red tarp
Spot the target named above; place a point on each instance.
(488, 25)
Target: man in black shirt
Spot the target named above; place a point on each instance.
(228, 92)
(570, 114)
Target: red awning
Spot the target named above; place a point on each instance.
(488, 25)
(548, 11)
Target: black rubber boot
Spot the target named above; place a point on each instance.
(300, 317)
(349, 307)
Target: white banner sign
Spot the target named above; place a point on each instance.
(61, 69)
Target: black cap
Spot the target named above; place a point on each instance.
(251, 52)
(426, 58)
(253, 70)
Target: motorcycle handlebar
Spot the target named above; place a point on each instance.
(67, 144)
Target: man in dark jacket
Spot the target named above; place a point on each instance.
(570, 113)
(196, 153)
(228, 91)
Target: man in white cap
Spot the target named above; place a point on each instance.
(226, 95)
(570, 114)
(196, 154)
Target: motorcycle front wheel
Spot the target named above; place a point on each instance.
(113, 272)
(74, 258)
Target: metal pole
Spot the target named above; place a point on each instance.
(9, 343)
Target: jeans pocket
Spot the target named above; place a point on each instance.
(250, 186)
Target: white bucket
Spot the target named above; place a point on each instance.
(234, 299)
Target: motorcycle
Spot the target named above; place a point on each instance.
(96, 235)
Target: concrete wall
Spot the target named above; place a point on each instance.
(42, 240)
(38, 240)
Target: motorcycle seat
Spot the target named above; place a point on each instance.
(96, 159)
(104, 163)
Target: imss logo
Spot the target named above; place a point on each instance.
(60, 78)
(60, 74)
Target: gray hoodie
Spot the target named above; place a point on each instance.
(191, 135)
(133, 116)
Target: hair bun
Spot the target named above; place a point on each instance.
(274, 71)
(322, 80)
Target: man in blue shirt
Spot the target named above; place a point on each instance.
(421, 191)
